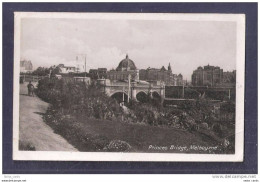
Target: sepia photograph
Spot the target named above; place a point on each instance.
(128, 87)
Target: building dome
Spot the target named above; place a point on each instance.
(126, 65)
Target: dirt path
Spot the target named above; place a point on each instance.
(33, 130)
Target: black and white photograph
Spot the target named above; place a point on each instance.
(128, 87)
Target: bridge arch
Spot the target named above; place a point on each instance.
(119, 96)
(142, 96)
(156, 95)
(144, 91)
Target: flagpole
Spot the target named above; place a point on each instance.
(129, 78)
(123, 94)
(85, 66)
(183, 89)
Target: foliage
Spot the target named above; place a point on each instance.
(41, 71)
(78, 98)
(228, 107)
(118, 146)
(55, 70)
(72, 102)
(72, 130)
(218, 129)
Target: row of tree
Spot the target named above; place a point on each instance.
(42, 71)
(53, 70)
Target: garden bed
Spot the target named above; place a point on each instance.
(92, 121)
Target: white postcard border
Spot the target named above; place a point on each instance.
(117, 156)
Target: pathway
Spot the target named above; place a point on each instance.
(33, 130)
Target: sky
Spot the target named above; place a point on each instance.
(186, 45)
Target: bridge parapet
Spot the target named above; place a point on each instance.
(112, 88)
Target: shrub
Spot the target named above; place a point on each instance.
(118, 146)
(81, 100)
(217, 129)
(78, 98)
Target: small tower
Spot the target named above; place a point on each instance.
(169, 67)
(126, 57)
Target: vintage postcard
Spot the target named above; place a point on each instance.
(128, 87)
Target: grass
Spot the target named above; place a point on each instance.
(90, 134)
(140, 137)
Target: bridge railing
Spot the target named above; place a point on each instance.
(136, 86)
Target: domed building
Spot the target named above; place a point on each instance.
(125, 68)
(155, 76)
(126, 65)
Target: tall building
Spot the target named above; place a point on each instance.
(126, 67)
(178, 79)
(26, 66)
(80, 63)
(207, 76)
(154, 75)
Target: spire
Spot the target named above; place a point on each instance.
(169, 67)
(127, 68)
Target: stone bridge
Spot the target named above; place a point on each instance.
(133, 89)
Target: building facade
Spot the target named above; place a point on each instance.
(98, 73)
(66, 69)
(154, 75)
(178, 79)
(207, 76)
(26, 66)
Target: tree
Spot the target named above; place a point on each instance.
(41, 71)
(55, 70)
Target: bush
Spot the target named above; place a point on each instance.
(118, 146)
(81, 100)
(78, 98)
(217, 129)
(68, 127)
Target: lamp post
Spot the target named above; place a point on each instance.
(182, 89)
(123, 94)
(85, 65)
(129, 87)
